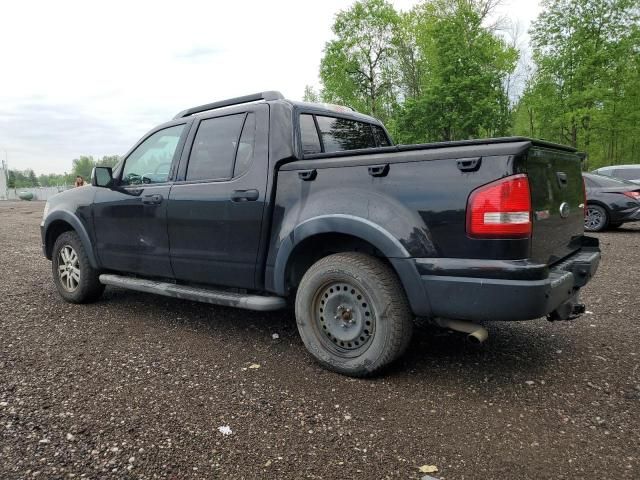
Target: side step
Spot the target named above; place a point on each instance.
(216, 297)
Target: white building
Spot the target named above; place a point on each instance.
(4, 173)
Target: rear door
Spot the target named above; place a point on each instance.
(557, 199)
(216, 207)
(630, 174)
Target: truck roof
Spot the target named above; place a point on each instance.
(271, 96)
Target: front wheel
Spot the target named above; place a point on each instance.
(596, 218)
(352, 314)
(75, 279)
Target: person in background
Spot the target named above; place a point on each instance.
(79, 181)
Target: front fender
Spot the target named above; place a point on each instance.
(75, 223)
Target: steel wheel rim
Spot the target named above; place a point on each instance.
(593, 219)
(69, 268)
(344, 318)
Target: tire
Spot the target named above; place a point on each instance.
(75, 279)
(352, 314)
(596, 218)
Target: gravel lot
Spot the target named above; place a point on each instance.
(136, 386)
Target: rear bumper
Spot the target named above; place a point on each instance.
(499, 290)
(626, 215)
(633, 216)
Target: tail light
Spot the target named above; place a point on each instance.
(634, 195)
(584, 195)
(501, 209)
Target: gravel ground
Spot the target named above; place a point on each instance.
(136, 386)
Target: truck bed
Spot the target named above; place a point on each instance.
(425, 194)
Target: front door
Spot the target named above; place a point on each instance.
(130, 219)
(217, 203)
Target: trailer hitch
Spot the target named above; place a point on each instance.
(569, 310)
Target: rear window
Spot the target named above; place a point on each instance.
(627, 173)
(339, 134)
(381, 137)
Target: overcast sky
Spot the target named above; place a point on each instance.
(89, 78)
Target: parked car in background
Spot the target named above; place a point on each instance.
(610, 202)
(630, 173)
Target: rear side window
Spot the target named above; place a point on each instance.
(381, 137)
(214, 148)
(309, 134)
(609, 182)
(339, 134)
(627, 173)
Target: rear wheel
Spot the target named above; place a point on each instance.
(596, 218)
(75, 279)
(352, 314)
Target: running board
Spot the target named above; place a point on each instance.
(216, 297)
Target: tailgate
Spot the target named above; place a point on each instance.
(557, 198)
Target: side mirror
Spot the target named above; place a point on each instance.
(101, 177)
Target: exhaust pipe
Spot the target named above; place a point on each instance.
(476, 334)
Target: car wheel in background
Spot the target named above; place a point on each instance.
(596, 218)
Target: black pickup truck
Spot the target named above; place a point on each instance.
(255, 201)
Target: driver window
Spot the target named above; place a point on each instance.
(151, 161)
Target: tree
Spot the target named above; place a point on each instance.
(22, 179)
(357, 68)
(585, 91)
(83, 166)
(455, 88)
(310, 95)
(108, 161)
(33, 180)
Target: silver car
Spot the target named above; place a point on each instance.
(630, 173)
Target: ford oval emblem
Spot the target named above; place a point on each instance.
(564, 210)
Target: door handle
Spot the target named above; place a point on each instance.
(154, 199)
(469, 164)
(562, 179)
(308, 175)
(245, 195)
(379, 170)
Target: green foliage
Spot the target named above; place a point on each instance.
(108, 161)
(81, 166)
(434, 73)
(55, 179)
(586, 89)
(458, 88)
(358, 65)
(22, 179)
(310, 95)
(84, 165)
